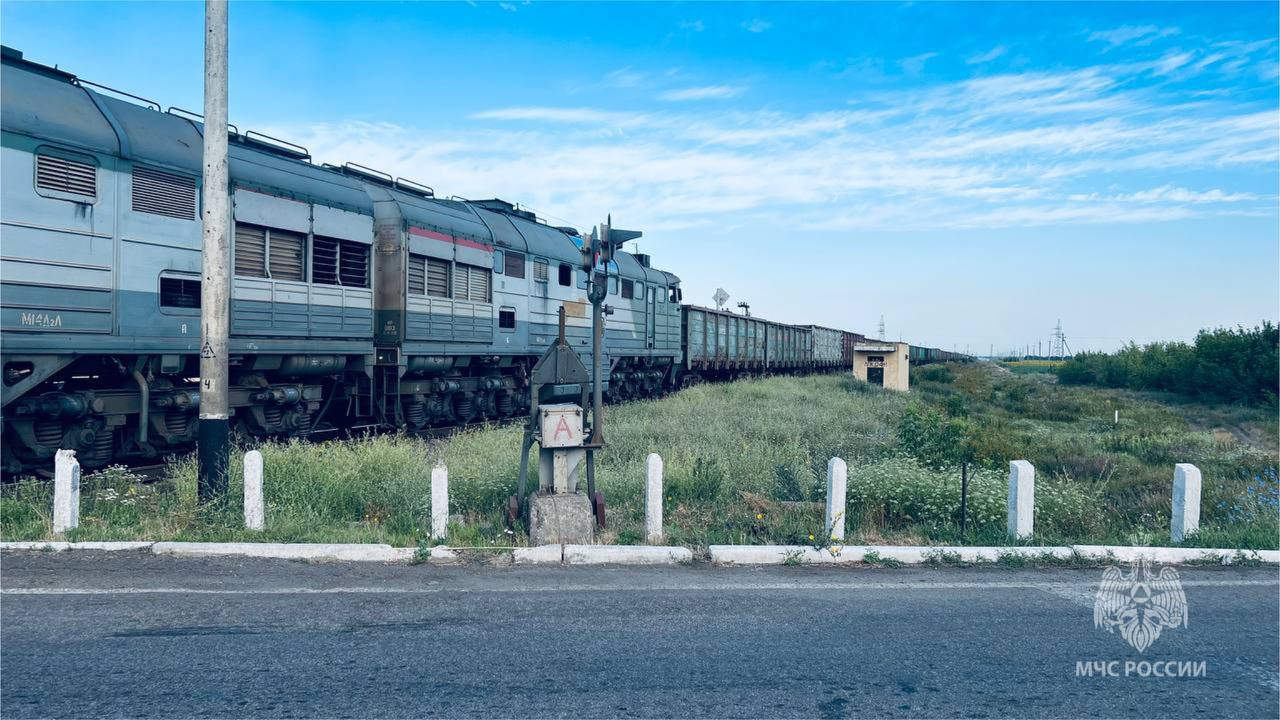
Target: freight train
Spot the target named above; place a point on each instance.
(357, 298)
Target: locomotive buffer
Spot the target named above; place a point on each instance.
(558, 512)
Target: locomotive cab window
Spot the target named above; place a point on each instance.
(566, 275)
(507, 318)
(628, 290)
(514, 265)
(540, 271)
(66, 175)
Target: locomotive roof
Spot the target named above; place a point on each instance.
(49, 104)
(46, 103)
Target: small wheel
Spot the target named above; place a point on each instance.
(597, 505)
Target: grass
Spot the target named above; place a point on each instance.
(745, 463)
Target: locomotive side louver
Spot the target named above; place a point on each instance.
(65, 175)
(286, 255)
(161, 193)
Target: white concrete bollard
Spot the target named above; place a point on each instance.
(439, 502)
(254, 508)
(1186, 501)
(837, 484)
(653, 499)
(66, 491)
(1022, 499)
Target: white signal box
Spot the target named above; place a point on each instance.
(561, 425)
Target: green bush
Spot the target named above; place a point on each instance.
(1235, 366)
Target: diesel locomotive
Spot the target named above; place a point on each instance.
(357, 298)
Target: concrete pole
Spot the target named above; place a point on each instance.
(66, 491)
(837, 484)
(1022, 503)
(439, 502)
(254, 509)
(1186, 501)
(213, 439)
(653, 500)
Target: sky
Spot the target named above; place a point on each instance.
(973, 173)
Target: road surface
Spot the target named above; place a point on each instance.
(129, 634)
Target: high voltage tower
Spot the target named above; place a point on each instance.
(881, 337)
(1059, 347)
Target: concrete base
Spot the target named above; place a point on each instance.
(561, 519)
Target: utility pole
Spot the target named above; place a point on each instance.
(214, 433)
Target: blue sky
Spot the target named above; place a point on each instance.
(973, 172)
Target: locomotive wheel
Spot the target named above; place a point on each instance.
(597, 505)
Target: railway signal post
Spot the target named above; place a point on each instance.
(214, 432)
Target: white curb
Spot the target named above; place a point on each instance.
(625, 555)
(1123, 553)
(288, 551)
(61, 546)
(918, 554)
(538, 555)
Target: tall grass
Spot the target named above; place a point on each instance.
(745, 462)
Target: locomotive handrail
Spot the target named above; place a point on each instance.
(369, 172)
(187, 114)
(415, 187)
(291, 148)
(151, 103)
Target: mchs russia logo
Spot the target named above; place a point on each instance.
(1140, 605)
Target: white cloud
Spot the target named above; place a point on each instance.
(1007, 150)
(624, 78)
(756, 26)
(914, 65)
(692, 25)
(987, 56)
(1132, 35)
(706, 92)
(1172, 194)
(509, 7)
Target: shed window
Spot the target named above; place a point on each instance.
(339, 262)
(179, 292)
(470, 283)
(514, 265)
(540, 270)
(63, 174)
(507, 319)
(162, 193)
(428, 276)
(628, 290)
(566, 275)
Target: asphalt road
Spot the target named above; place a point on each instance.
(112, 635)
